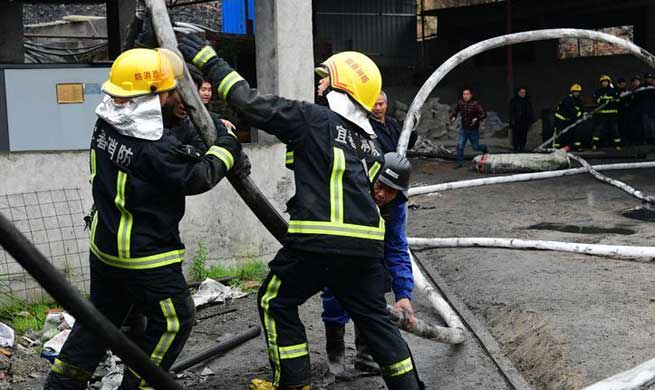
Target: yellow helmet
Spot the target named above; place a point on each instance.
(355, 74)
(605, 78)
(576, 88)
(139, 72)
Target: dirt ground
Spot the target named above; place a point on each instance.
(565, 320)
(440, 366)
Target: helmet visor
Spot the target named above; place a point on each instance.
(322, 71)
(171, 64)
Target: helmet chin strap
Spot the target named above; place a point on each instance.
(340, 103)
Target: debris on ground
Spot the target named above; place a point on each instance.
(435, 121)
(7, 336)
(54, 345)
(108, 375)
(493, 126)
(211, 291)
(55, 322)
(24, 366)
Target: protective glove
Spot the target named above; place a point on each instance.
(198, 52)
(242, 166)
(231, 143)
(147, 37)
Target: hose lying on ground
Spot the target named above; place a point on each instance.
(422, 190)
(639, 253)
(644, 197)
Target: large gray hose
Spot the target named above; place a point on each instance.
(414, 113)
(245, 187)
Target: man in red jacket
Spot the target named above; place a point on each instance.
(472, 113)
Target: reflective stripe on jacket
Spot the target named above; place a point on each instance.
(139, 190)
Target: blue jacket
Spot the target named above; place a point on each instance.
(396, 251)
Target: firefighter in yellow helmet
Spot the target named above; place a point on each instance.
(140, 176)
(606, 121)
(567, 112)
(336, 235)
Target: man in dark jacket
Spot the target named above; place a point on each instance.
(606, 125)
(472, 114)
(336, 234)
(387, 128)
(140, 176)
(521, 116)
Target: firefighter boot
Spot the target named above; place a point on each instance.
(363, 360)
(260, 384)
(335, 347)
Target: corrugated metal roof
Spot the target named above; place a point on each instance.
(383, 29)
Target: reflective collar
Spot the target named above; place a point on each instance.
(141, 117)
(340, 103)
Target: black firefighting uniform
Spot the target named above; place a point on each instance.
(136, 254)
(335, 237)
(567, 112)
(606, 125)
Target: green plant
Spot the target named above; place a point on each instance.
(199, 262)
(253, 271)
(21, 315)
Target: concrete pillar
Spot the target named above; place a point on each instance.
(284, 49)
(119, 16)
(11, 32)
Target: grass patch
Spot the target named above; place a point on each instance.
(22, 316)
(199, 263)
(247, 275)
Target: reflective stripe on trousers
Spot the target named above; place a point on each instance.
(270, 327)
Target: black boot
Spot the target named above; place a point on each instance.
(363, 360)
(336, 351)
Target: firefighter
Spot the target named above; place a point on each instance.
(390, 193)
(606, 121)
(140, 175)
(568, 112)
(647, 110)
(336, 234)
(623, 116)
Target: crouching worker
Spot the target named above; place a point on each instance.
(140, 175)
(336, 235)
(390, 193)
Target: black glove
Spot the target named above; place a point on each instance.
(242, 166)
(231, 143)
(147, 37)
(198, 52)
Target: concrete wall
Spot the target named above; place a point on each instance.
(57, 126)
(219, 217)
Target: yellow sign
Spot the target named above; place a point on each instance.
(70, 93)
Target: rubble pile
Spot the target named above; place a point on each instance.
(435, 128)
